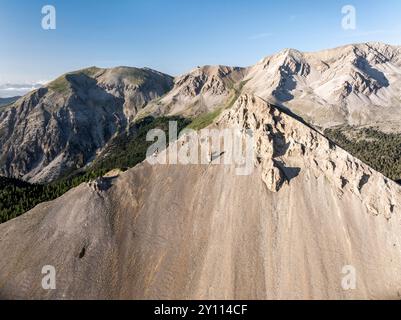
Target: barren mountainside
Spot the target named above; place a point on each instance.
(200, 91)
(307, 209)
(203, 232)
(354, 84)
(62, 126)
(65, 125)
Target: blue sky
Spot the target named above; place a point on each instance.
(174, 36)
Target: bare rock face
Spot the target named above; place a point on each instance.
(286, 231)
(64, 125)
(199, 91)
(61, 127)
(354, 84)
(283, 147)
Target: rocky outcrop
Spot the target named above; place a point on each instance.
(284, 147)
(67, 123)
(288, 230)
(354, 84)
(200, 91)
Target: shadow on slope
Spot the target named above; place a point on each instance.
(124, 151)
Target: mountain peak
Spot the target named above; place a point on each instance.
(289, 52)
(75, 115)
(333, 86)
(307, 199)
(353, 84)
(202, 89)
(285, 147)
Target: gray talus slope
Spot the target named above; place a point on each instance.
(200, 231)
(62, 126)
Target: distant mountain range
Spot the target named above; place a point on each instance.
(7, 101)
(355, 84)
(18, 89)
(65, 124)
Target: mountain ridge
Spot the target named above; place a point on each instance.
(62, 125)
(110, 239)
(80, 112)
(342, 85)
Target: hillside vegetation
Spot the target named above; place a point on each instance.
(125, 151)
(379, 150)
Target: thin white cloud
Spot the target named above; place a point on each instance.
(18, 89)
